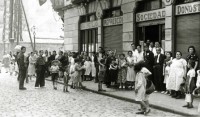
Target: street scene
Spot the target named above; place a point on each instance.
(47, 102)
(99, 58)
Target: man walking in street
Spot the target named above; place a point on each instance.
(40, 70)
(22, 68)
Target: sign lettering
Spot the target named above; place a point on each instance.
(113, 21)
(150, 15)
(188, 8)
(89, 25)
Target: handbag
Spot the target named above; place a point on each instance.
(150, 87)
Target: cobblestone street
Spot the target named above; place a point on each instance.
(47, 102)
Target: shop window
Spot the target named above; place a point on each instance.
(115, 12)
(89, 41)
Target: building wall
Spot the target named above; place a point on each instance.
(72, 16)
(71, 19)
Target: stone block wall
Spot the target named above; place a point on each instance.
(71, 29)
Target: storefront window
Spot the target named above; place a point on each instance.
(89, 41)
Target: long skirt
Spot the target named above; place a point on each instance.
(130, 74)
(122, 75)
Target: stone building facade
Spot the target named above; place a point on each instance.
(115, 24)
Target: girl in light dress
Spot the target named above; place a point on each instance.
(88, 68)
(76, 75)
(130, 70)
(122, 71)
(12, 68)
(140, 88)
(190, 85)
(166, 69)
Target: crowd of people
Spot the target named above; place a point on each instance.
(145, 68)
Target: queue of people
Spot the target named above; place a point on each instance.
(143, 70)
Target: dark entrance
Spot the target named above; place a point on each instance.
(154, 33)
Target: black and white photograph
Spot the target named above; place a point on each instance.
(99, 58)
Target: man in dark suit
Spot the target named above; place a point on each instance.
(40, 70)
(149, 60)
(158, 70)
(22, 68)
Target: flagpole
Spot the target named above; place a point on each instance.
(27, 24)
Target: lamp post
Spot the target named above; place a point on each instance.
(33, 29)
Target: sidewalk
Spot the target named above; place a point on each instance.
(157, 100)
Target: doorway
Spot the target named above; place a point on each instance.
(154, 33)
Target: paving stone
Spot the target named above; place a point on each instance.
(47, 102)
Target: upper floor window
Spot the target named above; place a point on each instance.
(88, 17)
(150, 5)
(114, 12)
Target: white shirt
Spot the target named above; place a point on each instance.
(135, 55)
(140, 56)
(158, 58)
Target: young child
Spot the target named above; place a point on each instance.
(66, 79)
(113, 72)
(54, 73)
(166, 69)
(198, 83)
(190, 85)
(140, 88)
(102, 71)
(122, 71)
(12, 68)
(77, 74)
(88, 68)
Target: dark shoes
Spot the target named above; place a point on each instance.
(144, 112)
(22, 88)
(188, 106)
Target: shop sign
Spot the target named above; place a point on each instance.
(113, 21)
(89, 25)
(188, 8)
(150, 15)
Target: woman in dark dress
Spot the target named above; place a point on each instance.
(109, 60)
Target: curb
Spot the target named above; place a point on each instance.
(133, 101)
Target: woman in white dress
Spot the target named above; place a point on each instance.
(130, 70)
(31, 66)
(178, 70)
